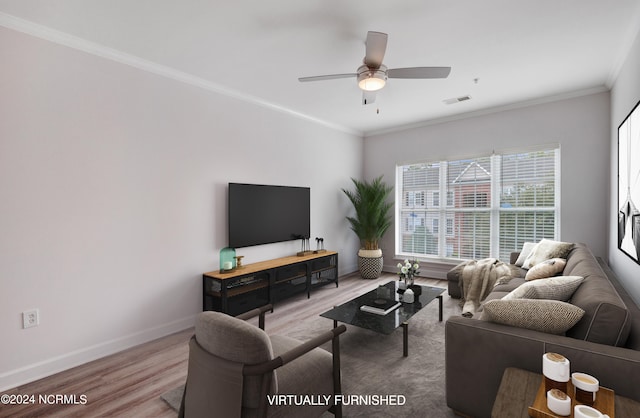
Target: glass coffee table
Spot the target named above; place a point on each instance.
(350, 312)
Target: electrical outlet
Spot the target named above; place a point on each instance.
(30, 318)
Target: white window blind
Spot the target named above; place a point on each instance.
(490, 205)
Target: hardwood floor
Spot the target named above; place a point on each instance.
(130, 383)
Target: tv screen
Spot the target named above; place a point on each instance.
(262, 214)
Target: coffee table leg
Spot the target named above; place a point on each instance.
(440, 306)
(405, 339)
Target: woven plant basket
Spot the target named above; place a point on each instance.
(370, 263)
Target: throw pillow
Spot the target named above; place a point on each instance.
(550, 316)
(546, 249)
(524, 253)
(555, 288)
(547, 268)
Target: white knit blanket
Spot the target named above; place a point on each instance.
(478, 279)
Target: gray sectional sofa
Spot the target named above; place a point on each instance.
(605, 342)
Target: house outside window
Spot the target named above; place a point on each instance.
(450, 227)
(489, 206)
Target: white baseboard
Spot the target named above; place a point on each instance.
(32, 372)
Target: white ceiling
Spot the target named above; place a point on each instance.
(518, 50)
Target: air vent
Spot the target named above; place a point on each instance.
(456, 99)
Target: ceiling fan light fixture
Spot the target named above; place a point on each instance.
(370, 79)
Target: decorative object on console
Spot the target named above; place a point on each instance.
(629, 184)
(305, 249)
(370, 223)
(319, 246)
(239, 261)
(227, 259)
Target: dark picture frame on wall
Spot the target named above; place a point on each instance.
(629, 184)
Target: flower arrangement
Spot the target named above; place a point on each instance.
(408, 270)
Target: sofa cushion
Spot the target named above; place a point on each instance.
(554, 288)
(526, 250)
(509, 286)
(547, 268)
(545, 250)
(607, 319)
(550, 316)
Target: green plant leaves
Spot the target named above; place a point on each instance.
(372, 217)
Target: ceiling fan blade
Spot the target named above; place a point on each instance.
(376, 45)
(419, 72)
(326, 77)
(368, 97)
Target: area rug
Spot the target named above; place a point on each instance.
(372, 364)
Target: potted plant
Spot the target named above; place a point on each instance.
(371, 221)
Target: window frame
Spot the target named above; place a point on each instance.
(445, 212)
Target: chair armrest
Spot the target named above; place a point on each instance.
(311, 344)
(294, 353)
(255, 312)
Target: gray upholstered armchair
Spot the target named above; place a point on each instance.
(237, 370)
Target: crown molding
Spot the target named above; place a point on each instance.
(491, 110)
(93, 48)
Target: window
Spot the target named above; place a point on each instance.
(491, 206)
(413, 198)
(449, 198)
(449, 227)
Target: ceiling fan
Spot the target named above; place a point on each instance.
(372, 75)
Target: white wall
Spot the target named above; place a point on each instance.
(113, 185)
(579, 124)
(624, 96)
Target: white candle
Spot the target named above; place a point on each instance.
(227, 265)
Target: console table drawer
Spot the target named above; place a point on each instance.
(290, 272)
(284, 290)
(250, 300)
(321, 264)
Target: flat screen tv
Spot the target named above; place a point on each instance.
(263, 214)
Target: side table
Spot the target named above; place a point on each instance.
(518, 390)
